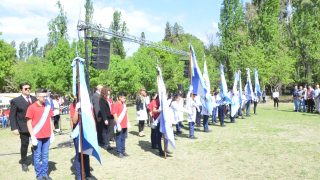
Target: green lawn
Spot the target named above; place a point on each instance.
(275, 144)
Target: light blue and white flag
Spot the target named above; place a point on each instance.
(166, 114)
(89, 133)
(248, 88)
(223, 87)
(257, 89)
(235, 104)
(199, 85)
(240, 88)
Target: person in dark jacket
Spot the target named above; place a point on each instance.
(18, 109)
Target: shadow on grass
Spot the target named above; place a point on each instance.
(146, 146)
(52, 166)
(135, 133)
(65, 144)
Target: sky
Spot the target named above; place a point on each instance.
(24, 20)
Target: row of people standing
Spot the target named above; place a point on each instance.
(306, 99)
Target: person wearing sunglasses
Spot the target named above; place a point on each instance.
(18, 109)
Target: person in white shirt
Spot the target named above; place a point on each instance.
(177, 109)
(56, 112)
(192, 109)
(255, 103)
(317, 98)
(275, 96)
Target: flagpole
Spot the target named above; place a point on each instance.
(165, 146)
(80, 123)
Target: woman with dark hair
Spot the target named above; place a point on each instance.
(105, 104)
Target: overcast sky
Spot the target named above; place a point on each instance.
(24, 20)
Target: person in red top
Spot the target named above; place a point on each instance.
(156, 135)
(40, 128)
(74, 116)
(120, 114)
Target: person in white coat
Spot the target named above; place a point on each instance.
(177, 109)
(192, 109)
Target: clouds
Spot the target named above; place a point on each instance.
(26, 20)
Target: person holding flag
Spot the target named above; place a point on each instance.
(74, 116)
(40, 128)
(248, 92)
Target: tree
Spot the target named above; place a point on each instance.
(23, 51)
(177, 31)
(58, 27)
(233, 34)
(143, 38)
(7, 59)
(117, 25)
(168, 33)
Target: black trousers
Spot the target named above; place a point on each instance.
(99, 125)
(56, 119)
(276, 102)
(158, 138)
(24, 137)
(141, 126)
(107, 134)
(255, 104)
(310, 105)
(153, 138)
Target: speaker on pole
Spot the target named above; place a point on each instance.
(100, 53)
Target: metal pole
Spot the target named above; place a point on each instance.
(87, 60)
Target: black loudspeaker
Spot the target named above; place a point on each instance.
(100, 53)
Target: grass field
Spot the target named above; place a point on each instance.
(275, 144)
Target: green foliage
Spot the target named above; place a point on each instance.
(117, 47)
(7, 58)
(58, 27)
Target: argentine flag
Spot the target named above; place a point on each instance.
(199, 84)
(257, 89)
(166, 114)
(89, 133)
(223, 87)
(248, 87)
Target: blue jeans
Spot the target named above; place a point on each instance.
(248, 108)
(205, 123)
(221, 114)
(121, 140)
(191, 129)
(296, 102)
(77, 161)
(303, 105)
(4, 122)
(41, 156)
(214, 115)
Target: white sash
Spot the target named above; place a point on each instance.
(43, 119)
(120, 118)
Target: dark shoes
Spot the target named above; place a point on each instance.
(122, 155)
(161, 154)
(107, 147)
(192, 137)
(207, 130)
(223, 125)
(24, 167)
(44, 178)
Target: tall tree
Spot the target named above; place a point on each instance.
(168, 33)
(233, 35)
(23, 50)
(143, 38)
(58, 27)
(121, 27)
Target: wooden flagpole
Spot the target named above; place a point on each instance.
(80, 123)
